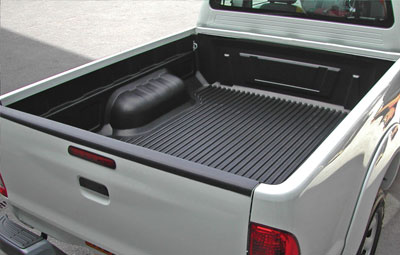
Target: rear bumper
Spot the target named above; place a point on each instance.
(15, 239)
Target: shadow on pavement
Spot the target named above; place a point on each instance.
(24, 60)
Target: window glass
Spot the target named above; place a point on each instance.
(377, 13)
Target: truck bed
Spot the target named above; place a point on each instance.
(252, 135)
(299, 96)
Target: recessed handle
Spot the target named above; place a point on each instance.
(94, 186)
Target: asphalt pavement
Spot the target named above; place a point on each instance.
(40, 38)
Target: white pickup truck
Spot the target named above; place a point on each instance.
(270, 128)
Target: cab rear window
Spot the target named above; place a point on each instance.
(377, 13)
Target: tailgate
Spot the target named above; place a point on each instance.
(147, 210)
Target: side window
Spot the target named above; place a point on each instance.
(377, 13)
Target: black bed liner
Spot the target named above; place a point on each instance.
(256, 136)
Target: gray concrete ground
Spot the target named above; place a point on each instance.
(40, 38)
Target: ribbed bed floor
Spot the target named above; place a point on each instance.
(256, 136)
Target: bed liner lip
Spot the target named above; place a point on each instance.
(163, 162)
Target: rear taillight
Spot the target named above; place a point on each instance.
(268, 241)
(3, 189)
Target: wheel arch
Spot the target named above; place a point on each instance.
(385, 159)
(391, 172)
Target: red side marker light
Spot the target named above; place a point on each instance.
(92, 157)
(97, 248)
(268, 241)
(3, 189)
